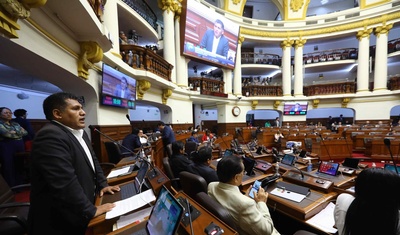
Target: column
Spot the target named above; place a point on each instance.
(228, 81)
(109, 18)
(363, 60)
(286, 75)
(380, 75)
(298, 67)
(181, 65)
(237, 79)
(168, 8)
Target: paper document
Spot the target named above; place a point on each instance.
(297, 197)
(130, 204)
(119, 172)
(324, 220)
(134, 217)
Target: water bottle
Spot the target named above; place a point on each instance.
(309, 166)
(141, 156)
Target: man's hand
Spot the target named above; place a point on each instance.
(104, 208)
(109, 189)
(261, 195)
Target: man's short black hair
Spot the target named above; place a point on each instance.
(218, 21)
(56, 101)
(20, 112)
(202, 155)
(177, 146)
(228, 167)
(161, 124)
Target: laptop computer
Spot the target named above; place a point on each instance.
(288, 159)
(327, 169)
(349, 165)
(131, 189)
(164, 218)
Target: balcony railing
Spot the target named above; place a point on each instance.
(207, 86)
(330, 89)
(261, 90)
(144, 11)
(145, 59)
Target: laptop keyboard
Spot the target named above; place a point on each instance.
(127, 190)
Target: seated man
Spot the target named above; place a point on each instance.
(251, 216)
(131, 141)
(179, 162)
(194, 138)
(201, 165)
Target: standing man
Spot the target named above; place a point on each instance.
(215, 41)
(65, 173)
(168, 137)
(277, 123)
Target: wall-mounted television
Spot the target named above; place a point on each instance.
(117, 89)
(295, 108)
(207, 36)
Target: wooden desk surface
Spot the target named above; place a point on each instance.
(308, 207)
(199, 224)
(102, 226)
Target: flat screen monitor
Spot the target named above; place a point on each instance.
(117, 89)
(295, 108)
(390, 167)
(207, 36)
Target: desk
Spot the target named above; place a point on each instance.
(199, 223)
(126, 161)
(303, 210)
(102, 226)
(121, 179)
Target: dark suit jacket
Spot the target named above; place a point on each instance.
(64, 183)
(117, 92)
(179, 163)
(209, 174)
(132, 142)
(207, 43)
(168, 135)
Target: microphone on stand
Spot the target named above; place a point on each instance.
(345, 139)
(326, 148)
(127, 117)
(387, 143)
(130, 151)
(301, 172)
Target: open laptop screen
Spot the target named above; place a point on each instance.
(288, 159)
(141, 175)
(329, 168)
(351, 163)
(166, 214)
(390, 167)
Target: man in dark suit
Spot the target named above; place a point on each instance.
(201, 166)
(122, 90)
(215, 41)
(65, 173)
(132, 141)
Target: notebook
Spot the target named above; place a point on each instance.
(131, 189)
(328, 169)
(288, 159)
(164, 218)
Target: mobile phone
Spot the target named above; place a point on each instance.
(255, 188)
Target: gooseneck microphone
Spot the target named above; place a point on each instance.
(301, 172)
(387, 143)
(127, 117)
(112, 140)
(347, 144)
(326, 148)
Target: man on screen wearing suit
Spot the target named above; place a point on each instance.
(215, 41)
(296, 108)
(251, 216)
(122, 90)
(65, 173)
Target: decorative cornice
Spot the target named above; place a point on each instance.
(315, 103)
(364, 33)
(236, 1)
(11, 11)
(91, 53)
(296, 5)
(254, 104)
(240, 39)
(178, 9)
(165, 95)
(299, 43)
(168, 5)
(276, 104)
(384, 29)
(345, 101)
(287, 43)
(326, 30)
(142, 86)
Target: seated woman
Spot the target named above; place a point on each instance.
(201, 166)
(179, 161)
(375, 207)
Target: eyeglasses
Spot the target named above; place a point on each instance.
(6, 112)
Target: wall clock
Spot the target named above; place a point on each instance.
(236, 111)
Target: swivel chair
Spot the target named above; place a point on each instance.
(192, 184)
(114, 152)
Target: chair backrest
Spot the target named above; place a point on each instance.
(170, 173)
(113, 152)
(215, 208)
(6, 194)
(190, 146)
(192, 184)
(168, 150)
